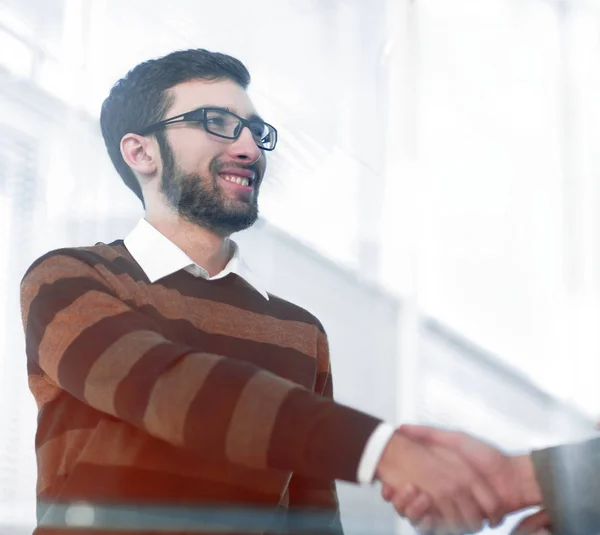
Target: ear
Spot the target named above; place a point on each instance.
(140, 153)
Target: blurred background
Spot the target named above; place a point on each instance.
(434, 199)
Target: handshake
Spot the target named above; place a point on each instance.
(447, 482)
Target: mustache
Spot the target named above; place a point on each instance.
(216, 166)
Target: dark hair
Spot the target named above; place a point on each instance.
(140, 97)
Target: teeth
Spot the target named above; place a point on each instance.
(241, 181)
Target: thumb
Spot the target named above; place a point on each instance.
(416, 432)
(534, 523)
(432, 435)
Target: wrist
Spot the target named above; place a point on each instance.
(527, 480)
(389, 460)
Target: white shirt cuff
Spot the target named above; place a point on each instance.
(373, 451)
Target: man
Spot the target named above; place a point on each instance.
(175, 393)
(563, 480)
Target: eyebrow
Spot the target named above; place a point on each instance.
(252, 117)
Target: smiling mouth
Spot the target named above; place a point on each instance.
(236, 179)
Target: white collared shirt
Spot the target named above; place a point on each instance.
(159, 257)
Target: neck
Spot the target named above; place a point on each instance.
(203, 246)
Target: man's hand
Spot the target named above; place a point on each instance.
(511, 478)
(460, 497)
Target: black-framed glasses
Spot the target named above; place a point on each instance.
(222, 123)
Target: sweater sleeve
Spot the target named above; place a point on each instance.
(101, 350)
(569, 478)
(315, 499)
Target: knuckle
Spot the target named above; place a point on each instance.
(399, 506)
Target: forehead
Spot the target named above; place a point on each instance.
(198, 93)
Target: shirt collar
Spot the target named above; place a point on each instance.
(158, 257)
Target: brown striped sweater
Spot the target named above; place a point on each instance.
(181, 393)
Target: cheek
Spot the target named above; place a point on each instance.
(195, 163)
(262, 163)
(193, 152)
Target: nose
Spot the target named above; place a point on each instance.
(244, 148)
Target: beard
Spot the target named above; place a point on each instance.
(201, 201)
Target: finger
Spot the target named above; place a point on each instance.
(480, 501)
(402, 499)
(418, 508)
(387, 492)
(450, 521)
(471, 515)
(533, 523)
(488, 501)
